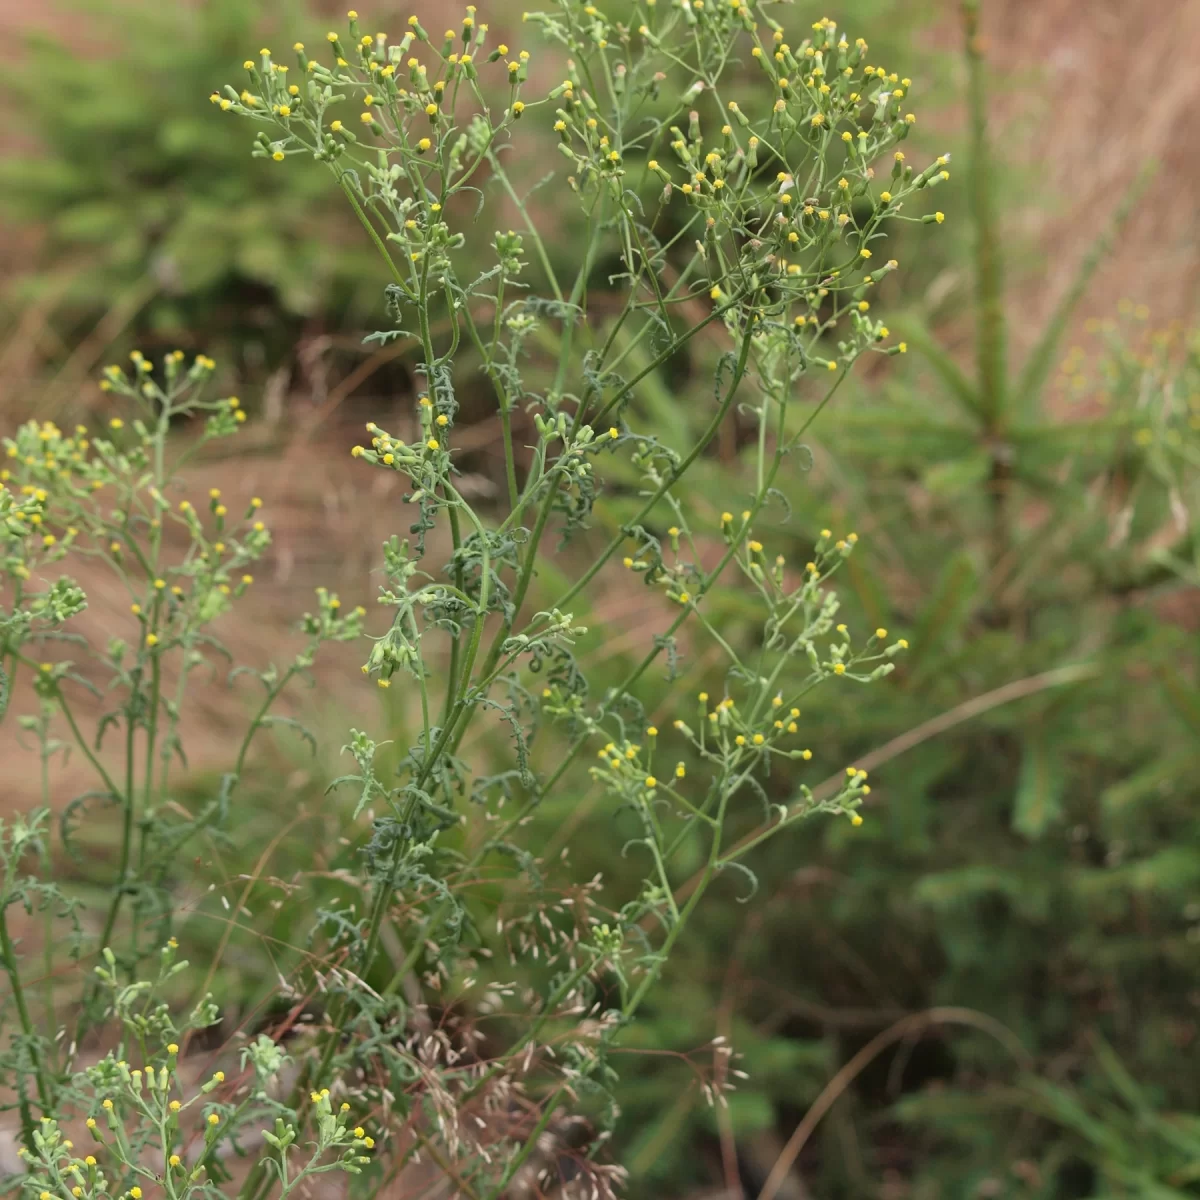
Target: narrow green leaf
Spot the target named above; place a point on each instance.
(920, 339)
(947, 608)
(1123, 1083)
(1182, 696)
(1039, 788)
(964, 474)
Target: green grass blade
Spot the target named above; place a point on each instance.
(917, 334)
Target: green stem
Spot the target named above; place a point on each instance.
(127, 820)
(8, 955)
(673, 476)
(989, 282)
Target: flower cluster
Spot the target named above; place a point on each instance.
(788, 205)
(63, 476)
(148, 1133)
(407, 111)
(734, 738)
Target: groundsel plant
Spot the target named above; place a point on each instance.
(724, 172)
(113, 503)
(722, 163)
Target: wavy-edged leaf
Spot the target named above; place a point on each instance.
(292, 723)
(73, 816)
(750, 876)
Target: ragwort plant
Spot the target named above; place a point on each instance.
(776, 225)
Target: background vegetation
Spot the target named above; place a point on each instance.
(999, 973)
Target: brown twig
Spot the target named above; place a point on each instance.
(906, 1027)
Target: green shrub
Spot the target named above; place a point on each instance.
(156, 223)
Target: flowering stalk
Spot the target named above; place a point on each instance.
(772, 226)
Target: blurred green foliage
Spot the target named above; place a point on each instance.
(151, 205)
